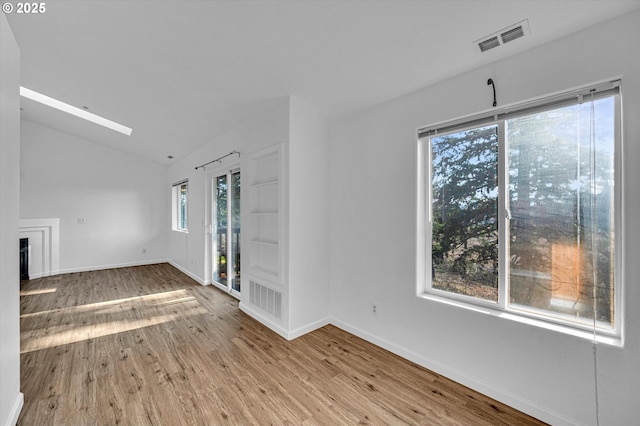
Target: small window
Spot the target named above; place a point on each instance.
(179, 197)
(519, 210)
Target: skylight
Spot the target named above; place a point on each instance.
(70, 109)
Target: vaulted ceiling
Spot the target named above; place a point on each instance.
(181, 73)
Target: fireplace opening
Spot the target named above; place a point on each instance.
(24, 259)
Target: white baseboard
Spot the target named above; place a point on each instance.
(300, 331)
(112, 266)
(534, 410)
(125, 265)
(187, 272)
(12, 419)
(278, 328)
(274, 326)
(43, 275)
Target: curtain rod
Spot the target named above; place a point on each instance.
(218, 159)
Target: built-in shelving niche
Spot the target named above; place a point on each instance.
(265, 231)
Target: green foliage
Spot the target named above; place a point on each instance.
(464, 203)
(222, 190)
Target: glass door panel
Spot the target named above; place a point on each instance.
(226, 231)
(220, 230)
(235, 231)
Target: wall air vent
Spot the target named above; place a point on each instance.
(266, 299)
(503, 36)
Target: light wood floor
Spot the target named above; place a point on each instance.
(149, 346)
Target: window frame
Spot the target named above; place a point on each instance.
(176, 211)
(503, 307)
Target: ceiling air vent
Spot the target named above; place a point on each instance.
(503, 36)
(512, 34)
(489, 44)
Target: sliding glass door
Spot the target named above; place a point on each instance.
(226, 230)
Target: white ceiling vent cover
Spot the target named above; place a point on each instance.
(512, 34)
(489, 44)
(503, 36)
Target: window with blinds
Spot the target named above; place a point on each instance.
(521, 209)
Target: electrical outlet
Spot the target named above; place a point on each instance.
(374, 309)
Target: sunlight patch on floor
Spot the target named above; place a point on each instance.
(109, 303)
(94, 320)
(38, 291)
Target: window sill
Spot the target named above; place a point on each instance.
(605, 339)
(182, 231)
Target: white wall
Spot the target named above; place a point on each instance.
(188, 251)
(122, 198)
(11, 399)
(373, 239)
(308, 219)
(304, 134)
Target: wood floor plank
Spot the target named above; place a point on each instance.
(149, 346)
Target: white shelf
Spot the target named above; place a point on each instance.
(266, 272)
(263, 184)
(265, 207)
(265, 243)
